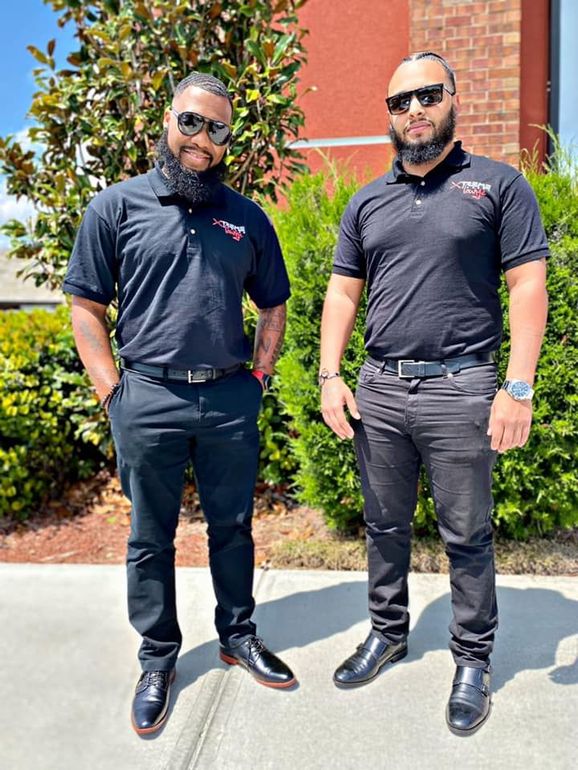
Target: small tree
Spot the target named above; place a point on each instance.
(97, 121)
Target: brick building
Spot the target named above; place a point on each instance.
(502, 51)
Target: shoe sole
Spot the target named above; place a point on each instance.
(162, 719)
(276, 685)
(349, 685)
(472, 730)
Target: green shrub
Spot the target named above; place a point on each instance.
(535, 488)
(52, 431)
(327, 474)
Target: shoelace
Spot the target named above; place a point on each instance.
(256, 645)
(155, 679)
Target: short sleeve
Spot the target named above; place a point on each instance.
(521, 234)
(349, 258)
(92, 268)
(268, 285)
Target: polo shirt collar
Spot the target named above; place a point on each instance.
(161, 189)
(457, 159)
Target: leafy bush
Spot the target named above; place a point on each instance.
(51, 427)
(327, 474)
(535, 488)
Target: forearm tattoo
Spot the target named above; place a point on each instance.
(269, 337)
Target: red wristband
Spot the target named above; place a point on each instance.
(263, 377)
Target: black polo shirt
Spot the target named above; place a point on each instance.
(179, 271)
(432, 251)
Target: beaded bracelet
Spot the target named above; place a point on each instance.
(104, 402)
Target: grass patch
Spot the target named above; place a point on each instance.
(555, 555)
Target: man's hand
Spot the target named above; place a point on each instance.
(335, 395)
(510, 422)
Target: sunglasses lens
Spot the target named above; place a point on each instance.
(219, 133)
(190, 123)
(398, 104)
(431, 95)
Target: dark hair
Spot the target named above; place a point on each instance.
(434, 57)
(206, 82)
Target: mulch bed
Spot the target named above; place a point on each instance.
(90, 525)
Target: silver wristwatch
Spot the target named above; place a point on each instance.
(518, 389)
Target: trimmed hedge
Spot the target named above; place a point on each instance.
(535, 488)
(51, 428)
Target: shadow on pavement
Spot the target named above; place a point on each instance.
(533, 622)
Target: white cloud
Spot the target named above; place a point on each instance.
(10, 208)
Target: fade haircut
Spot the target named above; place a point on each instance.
(434, 57)
(206, 82)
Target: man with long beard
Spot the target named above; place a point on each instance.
(430, 240)
(178, 248)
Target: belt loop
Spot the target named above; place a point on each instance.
(444, 369)
(382, 367)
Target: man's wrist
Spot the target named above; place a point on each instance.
(327, 374)
(519, 390)
(264, 379)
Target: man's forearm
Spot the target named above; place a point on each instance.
(528, 313)
(92, 339)
(269, 337)
(337, 321)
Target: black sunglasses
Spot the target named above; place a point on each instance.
(427, 96)
(191, 123)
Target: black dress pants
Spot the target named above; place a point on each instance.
(158, 428)
(441, 422)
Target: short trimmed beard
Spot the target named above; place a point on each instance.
(417, 153)
(195, 186)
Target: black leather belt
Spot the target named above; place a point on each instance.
(165, 373)
(410, 369)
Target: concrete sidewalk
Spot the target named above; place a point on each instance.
(69, 670)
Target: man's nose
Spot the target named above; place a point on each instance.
(415, 107)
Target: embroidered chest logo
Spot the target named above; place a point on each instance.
(476, 190)
(235, 231)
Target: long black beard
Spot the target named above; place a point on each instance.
(196, 186)
(423, 152)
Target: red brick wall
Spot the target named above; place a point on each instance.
(481, 41)
(353, 47)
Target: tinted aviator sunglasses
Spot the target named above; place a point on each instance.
(426, 96)
(191, 123)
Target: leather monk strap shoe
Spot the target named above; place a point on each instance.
(151, 701)
(366, 662)
(260, 662)
(469, 703)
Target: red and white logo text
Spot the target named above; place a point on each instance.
(235, 231)
(476, 190)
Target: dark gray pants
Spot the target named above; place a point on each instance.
(442, 423)
(158, 428)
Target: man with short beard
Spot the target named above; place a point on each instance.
(178, 248)
(430, 240)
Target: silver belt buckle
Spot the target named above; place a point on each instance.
(400, 364)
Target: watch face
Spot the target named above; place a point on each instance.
(520, 390)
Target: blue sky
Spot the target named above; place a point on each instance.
(25, 22)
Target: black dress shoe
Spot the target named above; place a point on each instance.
(267, 668)
(151, 701)
(366, 662)
(469, 703)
